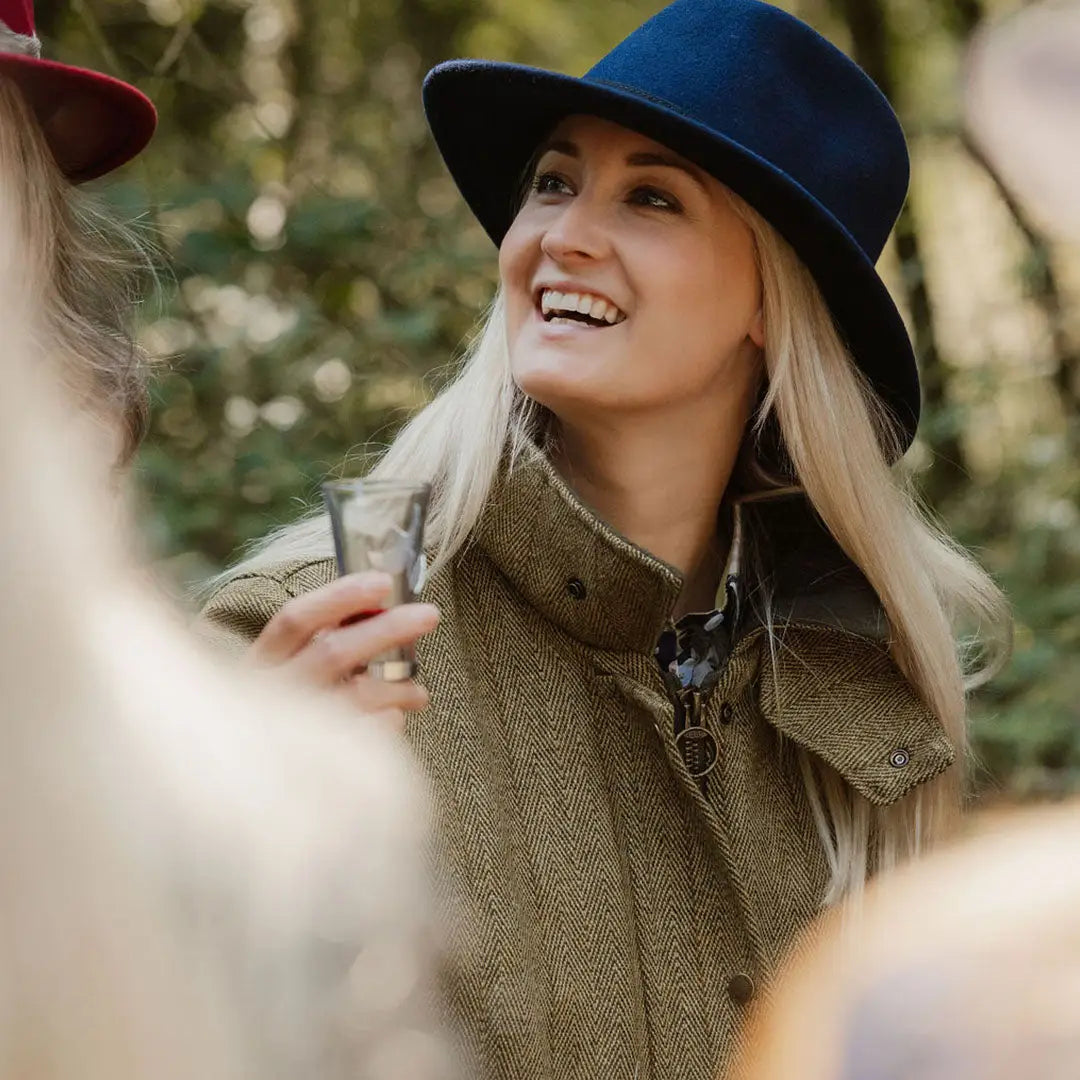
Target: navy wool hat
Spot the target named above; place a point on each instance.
(753, 96)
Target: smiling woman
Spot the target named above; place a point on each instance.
(697, 670)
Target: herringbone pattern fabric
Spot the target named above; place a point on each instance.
(607, 900)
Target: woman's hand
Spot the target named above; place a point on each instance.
(308, 637)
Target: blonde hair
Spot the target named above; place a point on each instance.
(90, 270)
(923, 984)
(837, 435)
(203, 871)
(949, 623)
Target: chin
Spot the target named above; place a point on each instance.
(556, 384)
(555, 395)
(574, 401)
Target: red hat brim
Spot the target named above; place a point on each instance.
(92, 122)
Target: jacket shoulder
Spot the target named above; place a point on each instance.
(842, 697)
(241, 606)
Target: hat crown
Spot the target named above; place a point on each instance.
(760, 77)
(18, 16)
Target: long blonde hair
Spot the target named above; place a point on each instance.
(90, 270)
(203, 871)
(837, 436)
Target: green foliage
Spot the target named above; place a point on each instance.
(1027, 721)
(323, 272)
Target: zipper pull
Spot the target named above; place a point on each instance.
(696, 743)
(692, 704)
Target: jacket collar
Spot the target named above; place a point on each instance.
(605, 591)
(833, 689)
(571, 566)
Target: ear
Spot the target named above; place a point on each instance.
(756, 333)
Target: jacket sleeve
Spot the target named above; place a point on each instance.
(236, 614)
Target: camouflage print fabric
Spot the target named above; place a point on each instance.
(617, 916)
(692, 652)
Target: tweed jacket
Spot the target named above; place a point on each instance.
(620, 916)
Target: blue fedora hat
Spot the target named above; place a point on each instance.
(756, 98)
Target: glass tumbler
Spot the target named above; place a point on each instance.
(379, 525)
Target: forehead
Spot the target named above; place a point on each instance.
(594, 132)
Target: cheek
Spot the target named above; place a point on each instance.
(517, 260)
(704, 302)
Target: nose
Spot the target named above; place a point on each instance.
(578, 232)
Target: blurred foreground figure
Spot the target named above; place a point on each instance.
(60, 126)
(966, 967)
(1023, 109)
(202, 875)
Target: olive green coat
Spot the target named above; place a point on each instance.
(622, 916)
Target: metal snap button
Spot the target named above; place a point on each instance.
(741, 988)
(699, 750)
(727, 712)
(899, 758)
(576, 588)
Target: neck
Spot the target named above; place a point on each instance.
(660, 485)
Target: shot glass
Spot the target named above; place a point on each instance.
(379, 525)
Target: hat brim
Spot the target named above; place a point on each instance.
(92, 122)
(488, 119)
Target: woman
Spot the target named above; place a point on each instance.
(695, 674)
(61, 126)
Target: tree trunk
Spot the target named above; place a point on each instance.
(868, 23)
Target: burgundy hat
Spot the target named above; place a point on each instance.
(92, 122)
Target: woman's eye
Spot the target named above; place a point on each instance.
(549, 183)
(654, 198)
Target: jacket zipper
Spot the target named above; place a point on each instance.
(697, 745)
(700, 749)
(690, 700)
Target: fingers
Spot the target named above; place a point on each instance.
(386, 702)
(374, 695)
(293, 627)
(336, 654)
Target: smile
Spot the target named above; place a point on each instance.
(582, 308)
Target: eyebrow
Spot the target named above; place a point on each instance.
(640, 158)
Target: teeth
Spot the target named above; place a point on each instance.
(583, 303)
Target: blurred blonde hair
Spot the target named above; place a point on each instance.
(965, 967)
(949, 622)
(203, 872)
(89, 269)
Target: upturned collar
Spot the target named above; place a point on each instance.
(569, 564)
(605, 591)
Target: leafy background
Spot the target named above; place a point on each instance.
(323, 272)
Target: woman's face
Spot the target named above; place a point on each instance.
(630, 281)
